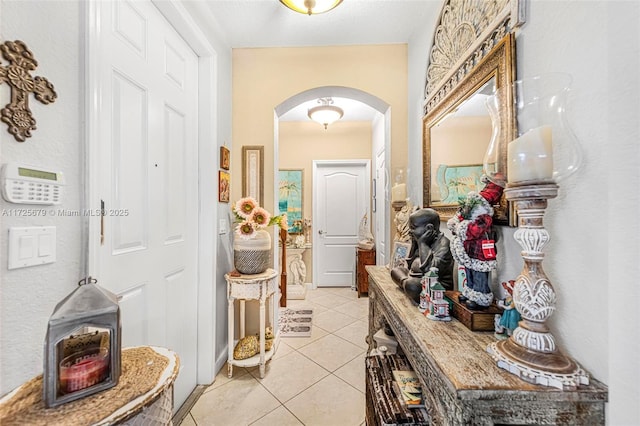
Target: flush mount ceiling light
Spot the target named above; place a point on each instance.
(311, 7)
(326, 113)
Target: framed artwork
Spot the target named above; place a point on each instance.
(290, 198)
(224, 186)
(400, 253)
(253, 172)
(455, 182)
(225, 158)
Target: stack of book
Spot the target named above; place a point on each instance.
(408, 387)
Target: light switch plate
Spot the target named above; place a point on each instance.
(31, 245)
(223, 226)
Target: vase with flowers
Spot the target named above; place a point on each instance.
(252, 242)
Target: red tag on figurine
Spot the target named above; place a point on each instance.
(489, 249)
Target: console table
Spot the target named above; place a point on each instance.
(461, 382)
(257, 287)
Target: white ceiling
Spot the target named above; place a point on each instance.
(267, 23)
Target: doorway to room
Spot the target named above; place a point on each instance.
(378, 124)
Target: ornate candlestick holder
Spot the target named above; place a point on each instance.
(531, 352)
(545, 152)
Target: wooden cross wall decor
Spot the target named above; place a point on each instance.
(16, 113)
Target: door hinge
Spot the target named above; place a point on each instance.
(101, 222)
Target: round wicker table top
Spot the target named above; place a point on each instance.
(147, 372)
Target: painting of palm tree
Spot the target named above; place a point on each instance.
(290, 198)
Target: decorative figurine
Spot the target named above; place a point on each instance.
(508, 321)
(437, 306)
(429, 248)
(473, 244)
(365, 237)
(401, 222)
(424, 294)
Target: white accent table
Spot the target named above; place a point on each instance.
(252, 287)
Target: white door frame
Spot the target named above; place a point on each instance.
(184, 24)
(315, 207)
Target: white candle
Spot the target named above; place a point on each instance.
(530, 156)
(399, 192)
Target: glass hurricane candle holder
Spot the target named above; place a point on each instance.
(546, 149)
(502, 123)
(545, 152)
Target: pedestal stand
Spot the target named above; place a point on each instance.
(531, 352)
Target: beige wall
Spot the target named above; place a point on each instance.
(264, 78)
(302, 142)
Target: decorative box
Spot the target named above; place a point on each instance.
(483, 320)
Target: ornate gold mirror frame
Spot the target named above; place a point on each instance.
(495, 71)
(472, 45)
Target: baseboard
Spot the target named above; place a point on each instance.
(221, 360)
(184, 410)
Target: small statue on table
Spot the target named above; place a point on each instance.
(429, 248)
(508, 321)
(473, 244)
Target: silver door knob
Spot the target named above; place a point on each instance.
(321, 232)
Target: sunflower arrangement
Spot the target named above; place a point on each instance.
(251, 218)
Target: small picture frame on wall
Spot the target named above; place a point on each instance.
(224, 186)
(225, 158)
(253, 173)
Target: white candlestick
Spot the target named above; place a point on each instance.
(399, 192)
(530, 156)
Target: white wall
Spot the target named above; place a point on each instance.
(593, 257)
(28, 296)
(54, 32)
(418, 58)
(222, 124)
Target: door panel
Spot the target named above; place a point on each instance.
(341, 199)
(133, 303)
(175, 176)
(148, 179)
(129, 184)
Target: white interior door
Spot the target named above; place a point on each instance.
(380, 215)
(147, 80)
(340, 201)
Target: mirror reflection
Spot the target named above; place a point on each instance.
(458, 143)
(457, 130)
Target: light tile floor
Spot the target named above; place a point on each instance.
(318, 380)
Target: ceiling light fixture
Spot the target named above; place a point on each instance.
(311, 7)
(326, 113)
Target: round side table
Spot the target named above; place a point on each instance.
(252, 287)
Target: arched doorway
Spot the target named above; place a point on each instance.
(380, 153)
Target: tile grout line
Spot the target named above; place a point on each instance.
(293, 350)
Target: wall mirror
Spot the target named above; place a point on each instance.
(457, 131)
